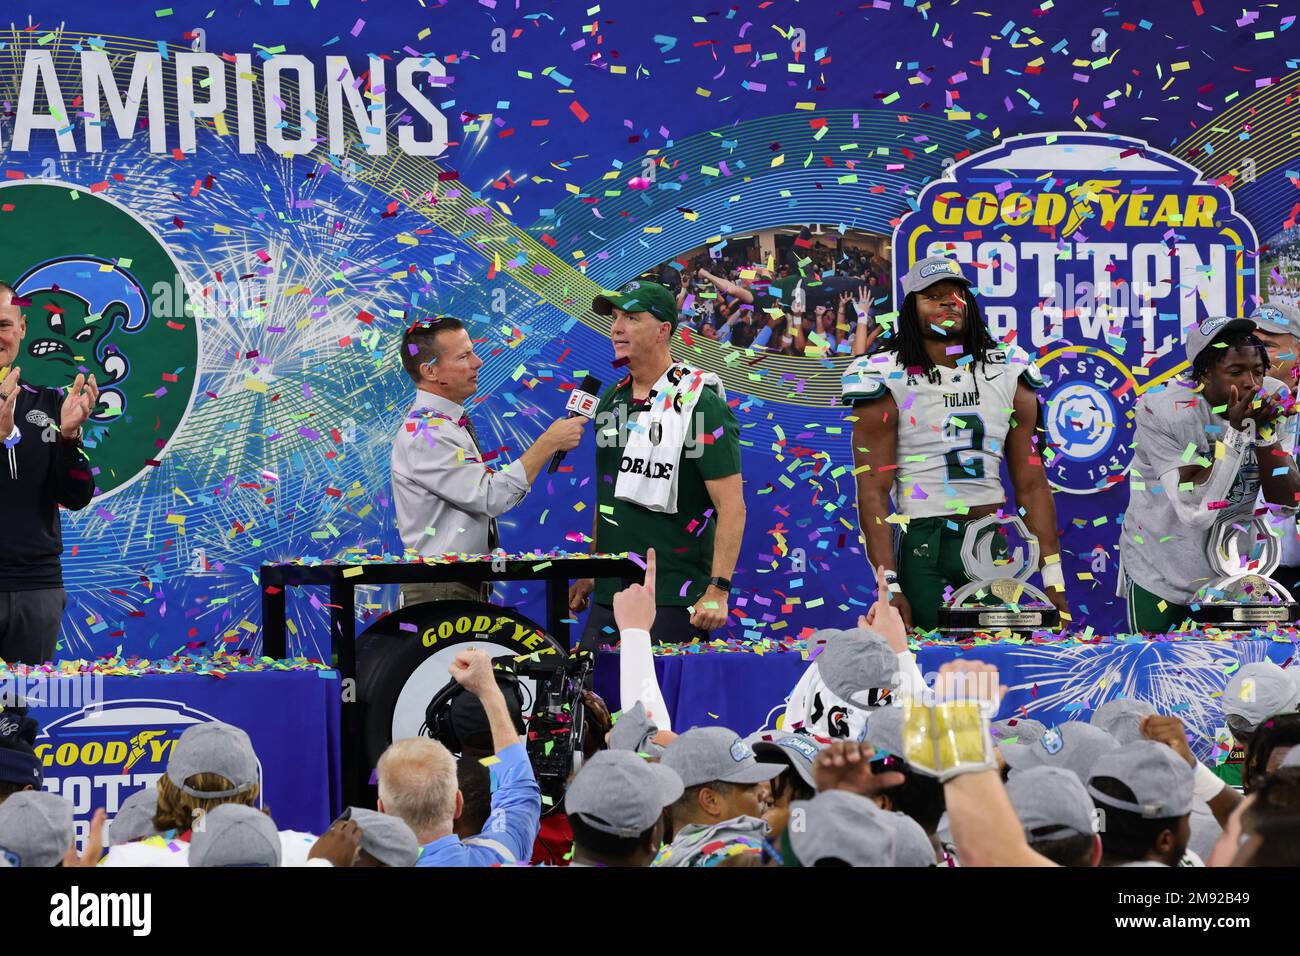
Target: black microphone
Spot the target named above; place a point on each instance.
(582, 403)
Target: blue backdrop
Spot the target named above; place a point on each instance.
(297, 275)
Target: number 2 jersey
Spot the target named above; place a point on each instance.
(951, 432)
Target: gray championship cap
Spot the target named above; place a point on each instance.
(1279, 318)
(1161, 781)
(797, 750)
(218, 748)
(134, 818)
(235, 835)
(1122, 718)
(926, 272)
(704, 754)
(1016, 730)
(1260, 690)
(1052, 797)
(1073, 745)
(838, 825)
(885, 731)
(36, 828)
(1201, 336)
(619, 793)
(634, 731)
(387, 838)
(856, 665)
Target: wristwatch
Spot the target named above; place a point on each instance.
(722, 584)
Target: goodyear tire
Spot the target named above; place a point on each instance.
(403, 660)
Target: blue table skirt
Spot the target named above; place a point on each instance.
(1051, 683)
(102, 742)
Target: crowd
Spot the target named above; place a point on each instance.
(918, 774)
(809, 303)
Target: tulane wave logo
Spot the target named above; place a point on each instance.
(105, 297)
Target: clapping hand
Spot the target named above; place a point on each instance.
(80, 401)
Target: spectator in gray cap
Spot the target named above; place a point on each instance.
(616, 807)
(1144, 791)
(839, 828)
(636, 732)
(919, 796)
(235, 835)
(796, 753)
(386, 840)
(1255, 692)
(134, 818)
(1073, 745)
(1122, 718)
(1059, 817)
(1023, 730)
(213, 764)
(36, 829)
(856, 672)
(725, 794)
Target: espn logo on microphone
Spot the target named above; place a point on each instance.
(584, 403)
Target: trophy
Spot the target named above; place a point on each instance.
(999, 595)
(1244, 552)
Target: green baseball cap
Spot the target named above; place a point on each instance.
(640, 295)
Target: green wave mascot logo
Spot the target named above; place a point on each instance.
(106, 297)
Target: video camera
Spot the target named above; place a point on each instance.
(553, 716)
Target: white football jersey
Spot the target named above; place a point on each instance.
(951, 432)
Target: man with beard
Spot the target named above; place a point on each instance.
(935, 413)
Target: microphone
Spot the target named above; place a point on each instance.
(582, 402)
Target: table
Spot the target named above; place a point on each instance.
(107, 728)
(745, 688)
(557, 569)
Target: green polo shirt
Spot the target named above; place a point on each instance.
(683, 542)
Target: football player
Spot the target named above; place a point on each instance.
(936, 412)
(1204, 447)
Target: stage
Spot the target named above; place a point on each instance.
(744, 686)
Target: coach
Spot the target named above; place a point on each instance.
(667, 474)
(43, 467)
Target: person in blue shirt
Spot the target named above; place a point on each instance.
(417, 782)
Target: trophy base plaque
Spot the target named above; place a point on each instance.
(975, 617)
(1235, 603)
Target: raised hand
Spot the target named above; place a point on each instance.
(634, 606)
(1239, 410)
(885, 618)
(94, 844)
(8, 399)
(472, 669)
(77, 405)
(340, 844)
(846, 765)
(580, 594)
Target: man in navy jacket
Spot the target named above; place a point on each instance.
(42, 466)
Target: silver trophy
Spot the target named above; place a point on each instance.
(1244, 552)
(999, 595)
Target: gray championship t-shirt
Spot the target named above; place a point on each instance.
(1175, 427)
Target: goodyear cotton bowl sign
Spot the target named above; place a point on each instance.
(1094, 253)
